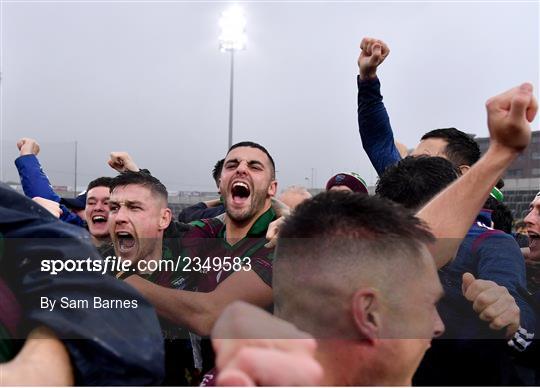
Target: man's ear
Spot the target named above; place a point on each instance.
(366, 313)
(272, 189)
(464, 169)
(165, 218)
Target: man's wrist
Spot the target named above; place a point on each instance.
(501, 153)
(368, 76)
(26, 156)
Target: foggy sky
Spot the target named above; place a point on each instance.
(148, 78)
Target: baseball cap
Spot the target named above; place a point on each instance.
(350, 179)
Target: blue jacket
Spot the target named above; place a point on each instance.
(36, 184)
(374, 124)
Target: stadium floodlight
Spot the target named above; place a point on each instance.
(232, 24)
(232, 38)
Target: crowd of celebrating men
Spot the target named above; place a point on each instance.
(421, 283)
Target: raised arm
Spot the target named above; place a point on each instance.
(373, 121)
(34, 181)
(451, 213)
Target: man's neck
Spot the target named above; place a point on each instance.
(337, 372)
(155, 256)
(345, 364)
(236, 231)
(99, 241)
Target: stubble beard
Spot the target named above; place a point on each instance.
(244, 216)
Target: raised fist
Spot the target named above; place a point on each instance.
(509, 115)
(28, 146)
(122, 162)
(374, 52)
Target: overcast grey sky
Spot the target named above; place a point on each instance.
(148, 78)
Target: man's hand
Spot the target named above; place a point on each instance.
(122, 162)
(272, 233)
(256, 348)
(52, 206)
(28, 146)
(374, 52)
(493, 303)
(282, 211)
(509, 115)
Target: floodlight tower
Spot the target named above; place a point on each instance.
(232, 38)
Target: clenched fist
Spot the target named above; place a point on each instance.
(122, 162)
(509, 115)
(492, 303)
(28, 146)
(374, 52)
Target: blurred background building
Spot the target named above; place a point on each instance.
(522, 179)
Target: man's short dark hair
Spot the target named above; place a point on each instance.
(103, 181)
(216, 171)
(142, 179)
(413, 181)
(333, 241)
(259, 147)
(461, 149)
(501, 215)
